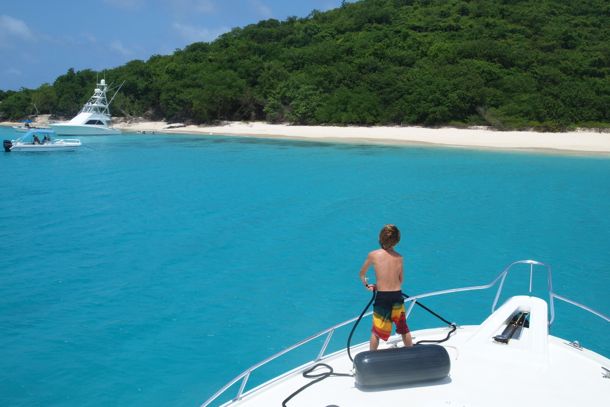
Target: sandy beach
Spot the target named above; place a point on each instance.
(585, 141)
(577, 141)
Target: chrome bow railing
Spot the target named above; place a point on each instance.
(245, 376)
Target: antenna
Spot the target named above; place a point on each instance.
(115, 93)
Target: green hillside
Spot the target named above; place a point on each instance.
(508, 64)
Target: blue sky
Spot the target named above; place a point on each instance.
(42, 39)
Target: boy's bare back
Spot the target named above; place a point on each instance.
(388, 265)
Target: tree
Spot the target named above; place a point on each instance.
(510, 64)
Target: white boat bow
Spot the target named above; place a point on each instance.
(510, 358)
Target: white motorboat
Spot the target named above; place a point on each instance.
(93, 119)
(40, 140)
(510, 358)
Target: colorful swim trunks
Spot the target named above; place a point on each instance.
(389, 307)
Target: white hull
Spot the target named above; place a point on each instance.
(500, 363)
(40, 140)
(65, 145)
(82, 130)
(482, 375)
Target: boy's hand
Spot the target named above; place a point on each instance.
(371, 287)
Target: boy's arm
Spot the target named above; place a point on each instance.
(364, 269)
(400, 272)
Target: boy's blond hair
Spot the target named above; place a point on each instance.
(389, 236)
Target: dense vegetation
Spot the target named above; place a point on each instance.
(509, 64)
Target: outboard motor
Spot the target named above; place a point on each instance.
(7, 145)
(401, 366)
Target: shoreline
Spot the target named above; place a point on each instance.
(585, 141)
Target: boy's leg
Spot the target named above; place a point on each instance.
(407, 339)
(382, 322)
(399, 318)
(374, 342)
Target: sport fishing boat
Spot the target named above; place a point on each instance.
(93, 119)
(40, 140)
(509, 358)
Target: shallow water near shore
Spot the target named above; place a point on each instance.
(149, 270)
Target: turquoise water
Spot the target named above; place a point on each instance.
(150, 270)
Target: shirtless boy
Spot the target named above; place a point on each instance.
(389, 305)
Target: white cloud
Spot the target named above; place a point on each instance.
(117, 46)
(261, 8)
(194, 34)
(12, 29)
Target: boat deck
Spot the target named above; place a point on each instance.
(533, 369)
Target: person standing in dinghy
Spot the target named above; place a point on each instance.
(389, 305)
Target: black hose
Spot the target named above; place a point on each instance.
(318, 376)
(349, 338)
(430, 311)
(451, 324)
(453, 328)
